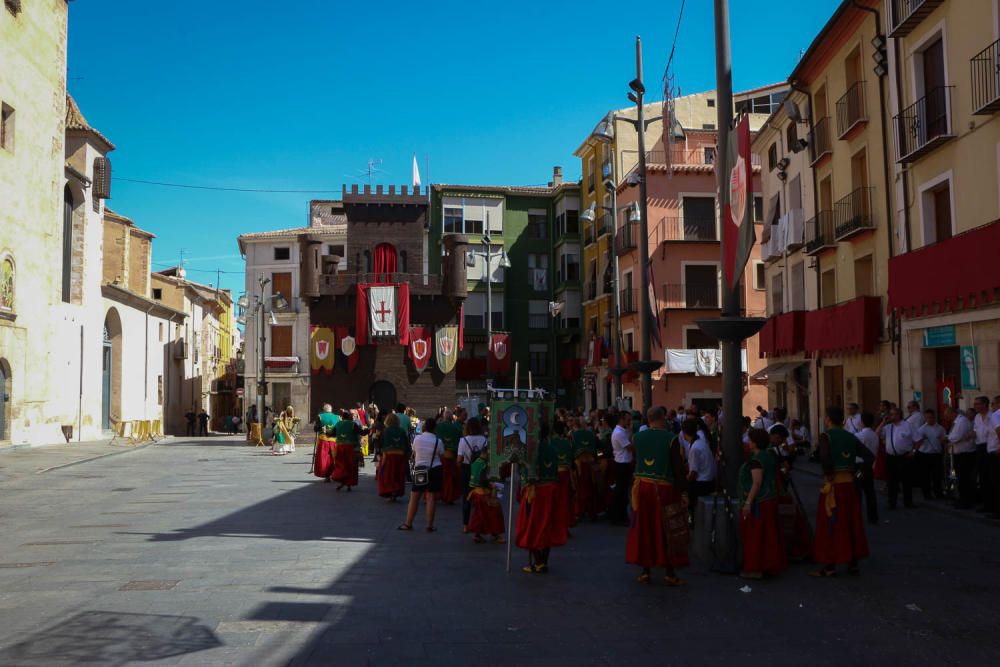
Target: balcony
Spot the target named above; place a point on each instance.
(851, 110)
(627, 301)
(281, 365)
(628, 238)
(905, 15)
(588, 233)
(607, 169)
(771, 248)
(924, 125)
(604, 224)
(536, 321)
(850, 327)
(703, 156)
(567, 325)
(340, 284)
(822, 146)
(986, 79)
(701, 295)
(783, 334)
(819, 233)
(853, 214)
(592, 290)
(686, 228)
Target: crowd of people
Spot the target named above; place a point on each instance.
(650, 473)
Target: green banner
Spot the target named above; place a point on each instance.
(970, 367)
(515, 428)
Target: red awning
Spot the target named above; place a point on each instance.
(853, 326)
(765, 338)
(961, 272)
(790, 332)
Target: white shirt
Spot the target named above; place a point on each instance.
(992, 439)
(915, 420)
(423, 449)
(620, 440)
(961, 436)
(982, 428)
(686, 446)
(470, 446)
(898, 439)
(764, 423)
(868, 439)
(931, 438)
(701, 461)
(802, 433)
(853, 424)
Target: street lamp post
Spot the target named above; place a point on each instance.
(488, 254)
(279, 302)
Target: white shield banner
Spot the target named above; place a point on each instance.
(347, 345)
(382, 309)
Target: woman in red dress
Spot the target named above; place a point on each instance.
(760, 528)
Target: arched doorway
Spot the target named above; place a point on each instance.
(5, 399)
(383, 394)
(111, 370)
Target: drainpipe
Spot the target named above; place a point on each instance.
(896, 350)
(818, 411)
(79, 408)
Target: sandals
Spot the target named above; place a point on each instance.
(499, 539)
(404, 526)
(431, 529)
(824, 573)
(478, 539)
(674, 582)
(642, 578)
(535, 569)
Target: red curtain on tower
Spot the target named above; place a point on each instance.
(385, 261)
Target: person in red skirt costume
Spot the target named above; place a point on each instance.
(584, 458)
(791, 512)
(658, 532)
(840, 530)
(760, 528)
(540, 524)
(564, 452)
(323, 452)
(345, 466)
(450, 433)
(391, 472)
(487, 515)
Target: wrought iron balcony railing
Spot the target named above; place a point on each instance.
(851, 109)
(924, 125)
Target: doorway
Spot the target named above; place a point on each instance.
(947, 372)
(833, 386)
(5, 392)
(869, 394)
(106, 362)
(383, 394)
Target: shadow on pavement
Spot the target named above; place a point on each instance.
(111, 638)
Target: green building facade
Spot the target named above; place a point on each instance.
(537, 299)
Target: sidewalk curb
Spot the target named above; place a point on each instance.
(95, 458)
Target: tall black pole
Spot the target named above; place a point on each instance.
(647, 364)
(732, 371)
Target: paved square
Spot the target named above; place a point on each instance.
(255, 562)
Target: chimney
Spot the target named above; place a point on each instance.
(556, 176)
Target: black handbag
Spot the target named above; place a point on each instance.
(422, 473)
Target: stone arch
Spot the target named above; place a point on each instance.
(74, 220)
(8, 281)
(111, 369)
(6, 399)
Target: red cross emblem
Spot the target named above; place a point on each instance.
(382, 311)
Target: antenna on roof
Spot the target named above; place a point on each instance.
(372, 169)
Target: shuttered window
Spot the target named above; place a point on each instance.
(102, 178)
(282, 283)
(281, 341)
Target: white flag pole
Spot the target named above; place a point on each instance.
(517, 365)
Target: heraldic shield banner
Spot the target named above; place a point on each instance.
(446, 347)
(322, 352)
(515, 427)
(421, 347)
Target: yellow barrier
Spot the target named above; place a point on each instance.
(255, 435)
(136, 431)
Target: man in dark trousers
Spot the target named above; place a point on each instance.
(203, 423)
(189, 418)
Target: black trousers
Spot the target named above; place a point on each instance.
(623, 488)
(697, 490)
(982, 473)
(930, 467)
(466, 503)
(900, 472)
(190, 428)
(992, 501)
(965, 473)
(871, 500)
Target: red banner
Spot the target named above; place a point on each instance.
(421, 347)
(500, 354)
(738, 235)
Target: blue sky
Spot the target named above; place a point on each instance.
(302, 94)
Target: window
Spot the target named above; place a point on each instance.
(699, 218)
(67, 244)
(696, 339)
(475, 311)
(701, 285)
(569, 267)
(537, 222)
(936, 212)
(777, 294)
(772, 157)
(708, 126)
(159, 390)
(797, 286)
(538, 272)
(281, 341)
(709, 152)
(282, 254)
(452, 220)
(6, 290)
(157, 293)
(572, 222)
(864, 277)
(538, 358)
(591, 177)
(759, 280)
(336, 250)
(758, 209)
(629, 341)
(791, 135)
(538, 314)
(711, 101)
(160, 331)
(478, 269)
(828, 289)
(281, 283)
(7, 127)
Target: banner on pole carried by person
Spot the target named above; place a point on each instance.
(515, 428)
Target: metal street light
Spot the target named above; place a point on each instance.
(488, 254)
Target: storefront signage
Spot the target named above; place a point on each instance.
(970, 367)
(939, 336)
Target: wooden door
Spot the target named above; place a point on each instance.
(833, 386)
(935, 95)
(869, 394)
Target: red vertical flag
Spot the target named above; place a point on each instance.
(738, 235)
(500, 354)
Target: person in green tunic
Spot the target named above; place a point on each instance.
(391, 471)
(348, 436)
(760, 527)
(567, 484)
(323, 453)
(658, 533)
(539, 527)
(450, 433)
(487, 515)
(584, 457)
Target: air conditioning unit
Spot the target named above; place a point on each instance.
(180, 349)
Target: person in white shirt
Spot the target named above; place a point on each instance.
(930, 460)
(701, 465)
(469, 447)
(869, 439)
(899, 448)
(993, 456)
(962, 445)
(427, 449)
(981, 426)
(763, 422)
(914, 417)
(621, 446)
(853, 423)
